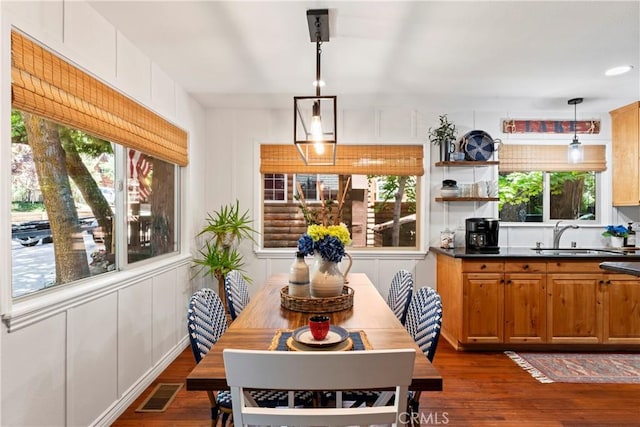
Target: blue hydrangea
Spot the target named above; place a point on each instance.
(305, 244)
(330, 249)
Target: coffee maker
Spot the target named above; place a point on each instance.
(482, 235)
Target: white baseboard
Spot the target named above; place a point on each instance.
(112, 413)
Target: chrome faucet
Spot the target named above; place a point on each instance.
(557, 233)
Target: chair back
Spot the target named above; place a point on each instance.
(318, 370)
(206, 321)
(424, 320)
(399, 295)
(237, 292)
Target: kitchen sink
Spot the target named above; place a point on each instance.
(577, 251)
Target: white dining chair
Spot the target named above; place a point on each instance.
(318, 370)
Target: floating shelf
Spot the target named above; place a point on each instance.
(468, 163)
(467, 199)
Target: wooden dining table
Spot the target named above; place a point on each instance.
(260, 321)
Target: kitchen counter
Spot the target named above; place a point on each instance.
(622, 267)
(573, 253)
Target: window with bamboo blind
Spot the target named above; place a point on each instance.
(368, 176)
(538, 184)
(73, 139)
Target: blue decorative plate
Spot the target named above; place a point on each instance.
(478, 145)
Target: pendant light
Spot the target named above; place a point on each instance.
(314, 117)
(575, 152)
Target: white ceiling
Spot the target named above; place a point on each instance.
(527, 55)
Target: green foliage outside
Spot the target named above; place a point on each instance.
(27, 207)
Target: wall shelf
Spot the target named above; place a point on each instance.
(467, 199)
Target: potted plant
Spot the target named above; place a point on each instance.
(224, 230)
(617, 234)
(443, 135)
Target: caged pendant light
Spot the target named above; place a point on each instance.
(314, 121)
(575, 152)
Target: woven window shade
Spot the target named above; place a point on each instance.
(549, 158)
(401, 160)
(48, 86)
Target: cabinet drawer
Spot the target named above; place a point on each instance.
(482, 267)
(574, 267)
(525, 267)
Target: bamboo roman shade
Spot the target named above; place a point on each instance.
(549, 158)
(401, 160)
(48, 86)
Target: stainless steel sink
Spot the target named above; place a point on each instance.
(577, 251)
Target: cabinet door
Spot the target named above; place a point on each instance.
(525, 308)
(574, 308)
(483, 302)
(625, 128)
(621, 307)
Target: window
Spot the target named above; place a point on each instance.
(275, 187)
(361, 172)
(537, 184)
(64, 205)
(78, 145)
(548, 196)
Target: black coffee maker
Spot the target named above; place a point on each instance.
(482, 235)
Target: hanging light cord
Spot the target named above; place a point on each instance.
(318, 52)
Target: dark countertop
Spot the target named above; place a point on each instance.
(519, 252)
(622, 267)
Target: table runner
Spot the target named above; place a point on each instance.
(279, 341)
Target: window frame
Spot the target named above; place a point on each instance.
(546, 205)
(386, 253)
(286, 188)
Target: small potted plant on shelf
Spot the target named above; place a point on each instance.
(444, 136)
(617, 234)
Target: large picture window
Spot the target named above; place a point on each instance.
(64, 205)
(94, 174)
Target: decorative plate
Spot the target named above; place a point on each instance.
(335, 336)
(478, 145)
(294, 345)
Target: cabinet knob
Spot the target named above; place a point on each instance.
(526, 267)
(483, 266)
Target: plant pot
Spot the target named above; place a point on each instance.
(617, 242)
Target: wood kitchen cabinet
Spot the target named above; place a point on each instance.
(493, 303)
(488, 303)
(625, 148)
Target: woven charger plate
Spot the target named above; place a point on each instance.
(317, 305)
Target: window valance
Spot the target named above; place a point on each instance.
(400, 160)
(47, 85)
(549, 158)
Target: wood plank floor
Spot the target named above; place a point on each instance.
(480, 389)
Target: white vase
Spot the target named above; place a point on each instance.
(325, 278)
(617, 242)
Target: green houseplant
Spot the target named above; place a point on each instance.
(223, 231)
(443, 135)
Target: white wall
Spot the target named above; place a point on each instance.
(82, 360)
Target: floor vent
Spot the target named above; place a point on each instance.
(160, 397)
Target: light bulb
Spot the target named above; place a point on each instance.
(576, 152)
(316, 128)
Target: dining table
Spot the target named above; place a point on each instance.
(264, 317)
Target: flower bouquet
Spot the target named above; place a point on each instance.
(616, 231)
(325, 238)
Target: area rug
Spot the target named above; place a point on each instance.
(611, 368)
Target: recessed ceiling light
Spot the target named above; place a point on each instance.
(616, 71)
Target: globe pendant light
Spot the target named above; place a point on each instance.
(314, 121)
(575, 154)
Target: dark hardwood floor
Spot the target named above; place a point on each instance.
(480, 389)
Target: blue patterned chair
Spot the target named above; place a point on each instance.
(399, 295)
(206, 322)
(424, 321)
(237, 292)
